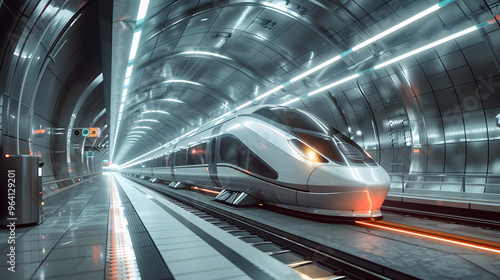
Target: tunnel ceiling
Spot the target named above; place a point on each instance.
(69, 64)
(199, 59)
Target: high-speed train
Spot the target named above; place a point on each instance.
(278, 156)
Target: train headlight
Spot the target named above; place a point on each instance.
(305, 151)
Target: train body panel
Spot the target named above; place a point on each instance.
(163, 173)
(279, 156)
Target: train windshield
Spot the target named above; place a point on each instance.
(293, 118)
(327, 140)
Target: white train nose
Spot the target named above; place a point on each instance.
(347, 187)
(324, 178)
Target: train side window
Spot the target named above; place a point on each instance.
(180, 157)
(257, 166)
(232, 151)
(168, 160)
(196, 154)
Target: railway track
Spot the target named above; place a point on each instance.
(307, 257)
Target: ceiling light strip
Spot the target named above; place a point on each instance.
(394, 60)
(360, 46)
(139, 23)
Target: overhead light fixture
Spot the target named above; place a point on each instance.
(139, 23)
(182, 81)
(172, 100)
(155, 112)
(141, 127)
(147, 120)
(291, 101)
(244, 105)
(204, 53)
(137, 132)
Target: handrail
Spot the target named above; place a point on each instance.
(451, 183)
(443, 175)
(66, 179)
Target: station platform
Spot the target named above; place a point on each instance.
(472, 201)
(109, 227)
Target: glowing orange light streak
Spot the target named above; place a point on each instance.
(369, 200)
(205, 190)
(432, 237)
(81, 5)
(121, 257)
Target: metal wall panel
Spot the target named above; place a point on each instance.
(418, 80)
(428, 105)
(461, 76)
(482, 65)
(436, 158)
(447, 102)
(455, 158)
(453, 60)
(440, 81)
(433, 67)
(475, 126)
(493, 130)
(477, 155)
(489, 91)
(453, 128)
(494, 165)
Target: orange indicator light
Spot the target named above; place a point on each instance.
(39, 131)
(458, 242)
(7, 155)
(43, 203)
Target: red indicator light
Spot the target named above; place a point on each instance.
(7, 155)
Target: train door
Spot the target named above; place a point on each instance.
(212, 162)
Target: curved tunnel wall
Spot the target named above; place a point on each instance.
(49, 58)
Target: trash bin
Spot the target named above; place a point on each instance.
(21, 186)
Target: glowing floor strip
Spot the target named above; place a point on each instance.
(432, 237)
(120, 259)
